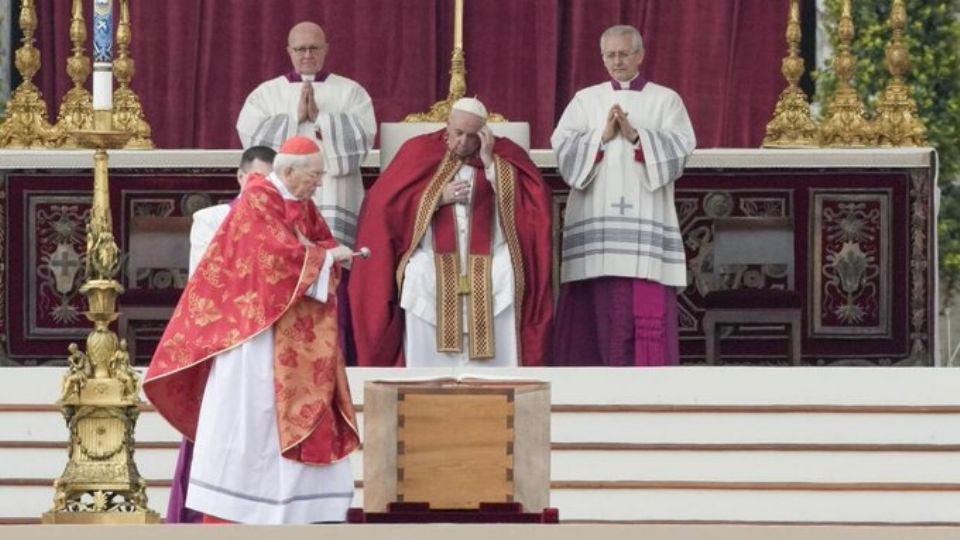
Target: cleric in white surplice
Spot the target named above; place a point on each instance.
(333, 110)
(620, 145)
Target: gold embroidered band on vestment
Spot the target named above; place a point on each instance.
(506, 205)
(480, 306)
(449, 303)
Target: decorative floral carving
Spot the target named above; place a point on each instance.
(718, 204)
(919, 266)
(3, 264)
(849, 266)
(59, 244)
(852, 252)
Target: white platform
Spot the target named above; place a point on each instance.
(740, 445)
(485, 532)
(710, 158)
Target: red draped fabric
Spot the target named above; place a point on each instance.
(198, 59)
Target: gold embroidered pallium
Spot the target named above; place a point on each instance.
(479, 281)
(506, 205)
(428, 205)
(480, 305)
(449, 303)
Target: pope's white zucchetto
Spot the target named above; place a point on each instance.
(470, 105)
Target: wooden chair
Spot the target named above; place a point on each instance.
(158, 243)
(746, 241)
(130, 315)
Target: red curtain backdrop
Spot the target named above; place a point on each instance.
(196, 60)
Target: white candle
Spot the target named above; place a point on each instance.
(102, 55)
(458, 24)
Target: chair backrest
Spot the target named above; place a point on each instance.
(753, 240)
(158, 243)
(394, 134)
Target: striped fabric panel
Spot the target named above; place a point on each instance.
(573, 157)
(625, 236)
(342, 222)
(667, 152)
(271, 132)
(266, 500)
(349, 142)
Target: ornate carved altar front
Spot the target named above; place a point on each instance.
(864, 245)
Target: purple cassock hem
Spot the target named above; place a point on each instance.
(614, 321)
(177, 512)
(347, 344)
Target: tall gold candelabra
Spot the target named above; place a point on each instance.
(440, 110)
(127, 112)
(897, 121)
(792, 125)
(76, 109)
(846, 123)
(25, 124)
(100, 391)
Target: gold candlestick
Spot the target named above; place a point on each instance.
(25, 124)
(898, 123)
(846, 123)
(127, 112)
(440, 110)
(76, 109)
(792, 125)
(100, 393)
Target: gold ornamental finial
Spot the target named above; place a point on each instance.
(440, 110)
(127, 112)
(792, 125)
(76, 109)
(25, 124)
(846, 123)
(897, 121)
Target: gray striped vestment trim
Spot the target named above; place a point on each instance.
(572, 156)
(623, 235)
(264, 500)
(350, 142)
(271, 132)
(668, 151)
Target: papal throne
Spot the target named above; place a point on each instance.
(738, 243)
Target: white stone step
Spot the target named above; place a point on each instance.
(757, 427)
(699, 444)
(732, 466)
(50, 426)
(741, 427)
(731, 386)
(619, 465)
(33, 501)
(765, 506)
(654, 505)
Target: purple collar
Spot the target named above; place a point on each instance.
(293, 76)
(636, 84)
